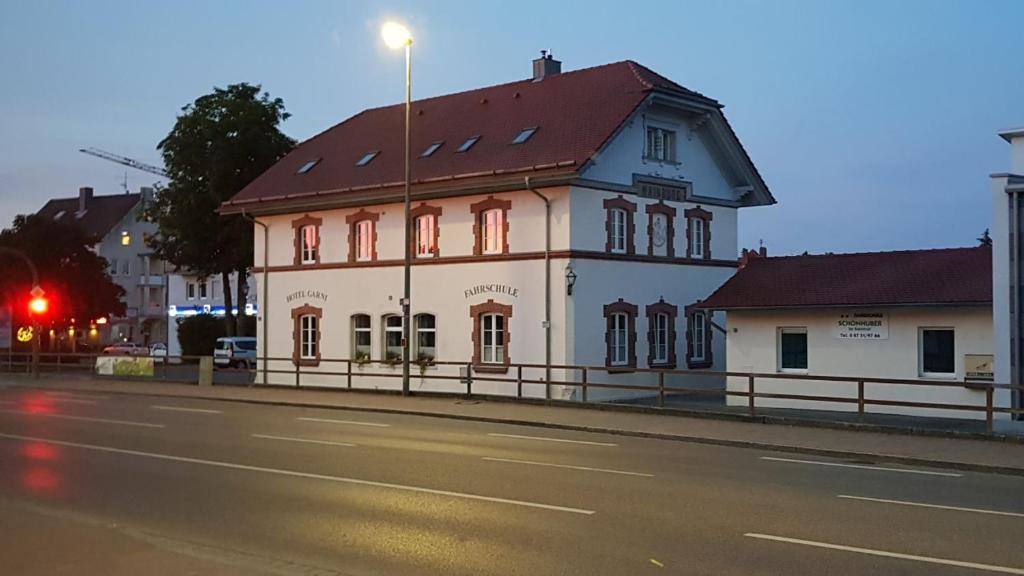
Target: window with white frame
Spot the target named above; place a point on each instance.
(426, 338)
(697, 237)
(190, 290)
(660, 332)
(792, 349)
(492, 222)
(308, 236)
(425, 247)
(661, 144)
(392, 338)
(698, 336)
(937, 352)
(126, 267)
(202, 290)
(309, 337)
(361, 337)
(618, 216)
(492, 341)
(364, 240)
(618, 328)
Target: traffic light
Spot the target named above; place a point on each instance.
(39, 305)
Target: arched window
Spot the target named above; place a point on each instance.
(392, 338)
(361, 337)
(426, 338)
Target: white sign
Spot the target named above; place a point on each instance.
(862, 326)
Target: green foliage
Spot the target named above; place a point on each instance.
(198, 334)
(247, 325)
(76, 280)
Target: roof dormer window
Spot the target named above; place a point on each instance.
(367, 158)
(468, 144)
(308, 166)
(431, 149)
(524, 135)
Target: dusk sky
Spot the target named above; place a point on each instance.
(873, 123)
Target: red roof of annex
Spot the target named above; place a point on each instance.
(912, 277)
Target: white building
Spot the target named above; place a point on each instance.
(923, 315)
(189, 295)
(115, 221)
(624, 184)
(1007, 223)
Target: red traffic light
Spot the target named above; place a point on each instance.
(38, 305)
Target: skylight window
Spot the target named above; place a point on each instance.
(367, 158)
(524, 135)
(468, 143)
(431, 149)
(59, 214)
(308, 166)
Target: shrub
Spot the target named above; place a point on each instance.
(198, 334)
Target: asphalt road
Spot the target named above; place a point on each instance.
(109, 484)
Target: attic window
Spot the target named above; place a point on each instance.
(80, 213)
(367, 158)
(58, 215)
(308, 166)
(468, 144)
(431, 149)
(524, 135)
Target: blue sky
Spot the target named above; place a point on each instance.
(873, 122)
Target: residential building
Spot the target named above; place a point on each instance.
(923, 315)
(1007, 299)
(623, 183)
(115, 222)
(189, 295)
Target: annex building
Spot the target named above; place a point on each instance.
(564, 219)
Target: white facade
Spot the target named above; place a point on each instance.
(754, 346)
(1007, 224)
(189, 295)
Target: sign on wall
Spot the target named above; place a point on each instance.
(978, 367)
(491, 289)
(862, 326)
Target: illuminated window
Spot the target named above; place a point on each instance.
(126, 239)
(364, 240)
(308, 234)
(425, 242)
(492, 224)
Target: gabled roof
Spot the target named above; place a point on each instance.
(100, 216)
(952, 276)
(576, 113)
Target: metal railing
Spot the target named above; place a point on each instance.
(656, 384)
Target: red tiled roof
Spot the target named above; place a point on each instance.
(924, 277)
(575, 114)
(102, 212)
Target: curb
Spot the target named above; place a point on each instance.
(910, 460)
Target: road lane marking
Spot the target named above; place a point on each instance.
(297, 474)
(73, 395)
(353, 422)
(938, 506)
(570, 467)
(871, 552)
(545, 439)
(307, 440)
(863, 467)
(85, 418)
(183, 409)
(71, 400)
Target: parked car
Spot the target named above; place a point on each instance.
(126, 349)
(158, 350)
(235, 351)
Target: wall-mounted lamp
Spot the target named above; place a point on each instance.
(570, 279)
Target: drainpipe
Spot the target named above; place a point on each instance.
(547, 288)
(264, 307)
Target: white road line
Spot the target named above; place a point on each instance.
(570, 467)
(183, 409)
(552, 439)
(938, 506)
(73, 395)
(72, 400)
(306, 440)
(85, 418)
(863, 467)
(353, 422)
(869, 551)
(296, 474)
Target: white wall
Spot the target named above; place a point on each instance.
(182, 306)
(752, 347)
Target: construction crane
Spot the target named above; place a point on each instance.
(125, 161)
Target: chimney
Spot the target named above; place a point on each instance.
(84, 198)
(147, 195)
(748, 255)
(546, 65)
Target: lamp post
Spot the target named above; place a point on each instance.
(396, 36)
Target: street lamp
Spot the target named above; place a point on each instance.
(396, 36)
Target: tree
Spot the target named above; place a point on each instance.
(75, 278)
(219, 143)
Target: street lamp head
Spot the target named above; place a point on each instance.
(395, 35)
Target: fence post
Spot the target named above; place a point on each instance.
(750, 394)
(348, 374)
(988, 409)
(58, 360)
(469, 380)
(583, 381)
(297, 374)
(860, 399)
(661, 389)
(519, 381)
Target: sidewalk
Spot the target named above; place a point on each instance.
(967, 454)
